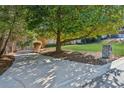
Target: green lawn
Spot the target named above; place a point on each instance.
(118, 48)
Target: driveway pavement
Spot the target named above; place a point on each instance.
(114, 78)
(31, 70)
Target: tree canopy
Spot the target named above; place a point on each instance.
(61, 23)
(66, 23)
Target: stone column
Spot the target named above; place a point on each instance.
(37, 46)
(106, 51)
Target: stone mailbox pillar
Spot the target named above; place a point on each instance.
(37, 46)
(106, 51)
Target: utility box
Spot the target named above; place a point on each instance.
(106, 51)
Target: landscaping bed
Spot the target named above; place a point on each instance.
(90, 58)
(5, 62)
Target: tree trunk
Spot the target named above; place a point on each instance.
(1, 42)
(4, 47)
(12, 47)
(58, 42)
(59, 29)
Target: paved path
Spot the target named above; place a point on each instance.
(37, 71)
(114, 78)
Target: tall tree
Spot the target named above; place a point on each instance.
(66, 23)
(10, 23)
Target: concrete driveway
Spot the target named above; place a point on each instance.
(114, 78)
(31, 70)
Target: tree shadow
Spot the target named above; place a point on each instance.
(111, 79)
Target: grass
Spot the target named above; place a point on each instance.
(118, 48)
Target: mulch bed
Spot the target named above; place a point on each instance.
(90, 58)
(5, 62)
